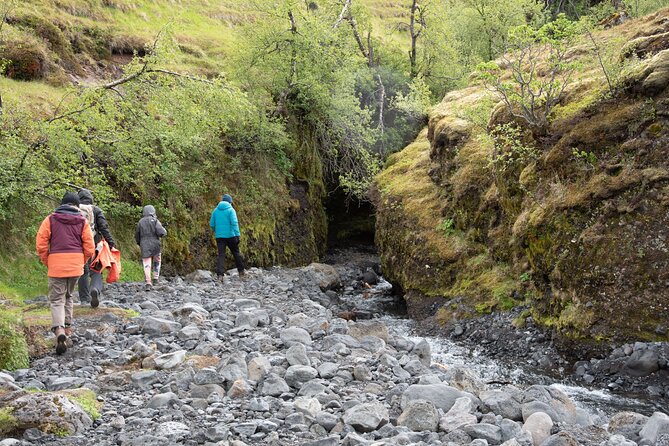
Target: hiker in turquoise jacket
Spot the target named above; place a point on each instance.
(226, 230)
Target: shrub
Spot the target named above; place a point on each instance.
(13, 346)
(27, 59)
(540, 70)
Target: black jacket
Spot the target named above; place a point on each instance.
(101, 225)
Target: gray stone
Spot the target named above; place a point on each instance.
(562, 409)
(245, 429)
(484, 431)
(162, 400)
(258, 405)
(424, 352)
(156, 326)
(297, 375)
(295, 335)
(189, 332)
(353, 439)
(372, 344)
(308, 406)
(333, 340)
(297, 355)
(366, 417)
(419, 415)
(642, 363)
(170, 360)
(656, 425)
(362, 373)
(145, 379)
(246, 319)
(173, 430)
(441, 395)
(258, 367)
(628, 424)
(510, 429)
(328, 370)
(274, 385)
(208, 376)
(361, 329)
(48, 409)
(206, 390)
(327, 420)
(217, 433)
(539, 425)
(502, 403)
(200, 276)
(234, 369)
(330, 441)
(561, 439)
(240, 388)
(619, 440)
(325, 276)
(62, 383)
(532, 407)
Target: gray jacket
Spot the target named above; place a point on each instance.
(148, 233)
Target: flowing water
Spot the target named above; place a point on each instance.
(380, 302)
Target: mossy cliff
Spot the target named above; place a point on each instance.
(579, 230)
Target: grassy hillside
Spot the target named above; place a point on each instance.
(572, 220)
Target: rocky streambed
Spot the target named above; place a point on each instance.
(281, 359)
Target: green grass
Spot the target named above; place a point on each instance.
(7, 421)
(86, 399)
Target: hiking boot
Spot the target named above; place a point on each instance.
(69, 330)
(95, 298)
(243, 275)
(155, 281)
(148, 287)
(60, 340)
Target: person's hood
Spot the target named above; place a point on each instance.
(68, 214)
(223, 206)
(85, 196)
(149, 211)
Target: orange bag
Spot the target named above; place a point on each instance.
(107, 259)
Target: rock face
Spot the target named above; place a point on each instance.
(261, 361)
(601, 234)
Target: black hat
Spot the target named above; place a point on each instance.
(70, 198)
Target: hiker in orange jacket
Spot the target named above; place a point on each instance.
(64, 244)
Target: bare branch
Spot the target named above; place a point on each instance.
(344, 13)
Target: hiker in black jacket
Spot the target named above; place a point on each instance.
(90, 283)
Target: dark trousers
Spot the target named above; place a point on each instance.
(233, 244)
(90, 279)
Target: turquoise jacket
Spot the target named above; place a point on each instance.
(224, 221)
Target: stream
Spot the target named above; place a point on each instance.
(382, 303)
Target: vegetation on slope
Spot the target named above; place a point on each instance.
(573, 215)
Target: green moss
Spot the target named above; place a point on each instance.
(87, 400)
(7, 421)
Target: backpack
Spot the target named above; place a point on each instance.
(89, 214)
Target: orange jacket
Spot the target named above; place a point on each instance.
(107, 258)
(65, 242)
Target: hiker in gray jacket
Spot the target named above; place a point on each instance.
(148, 234)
